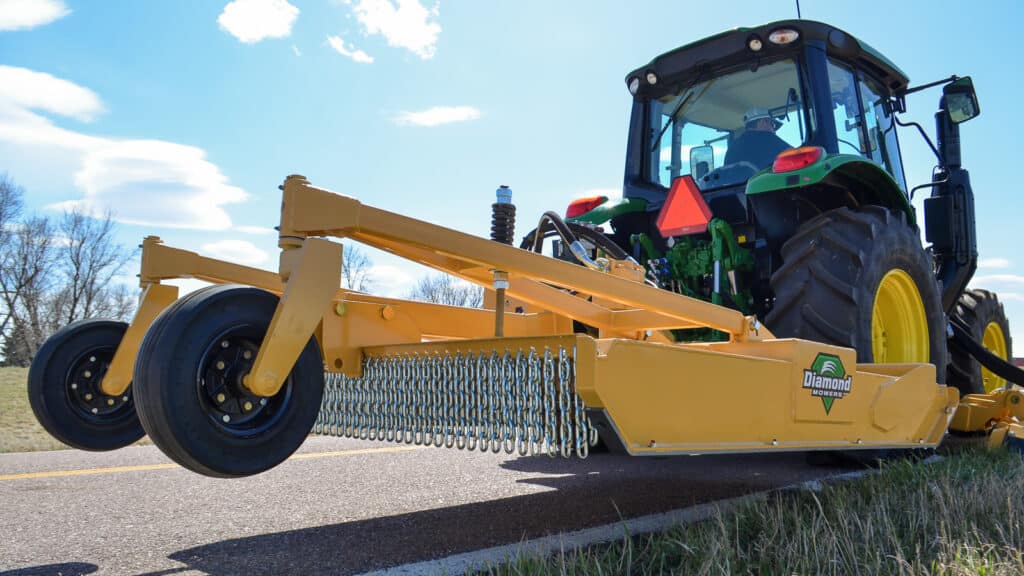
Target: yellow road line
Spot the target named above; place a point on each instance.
(168, 466)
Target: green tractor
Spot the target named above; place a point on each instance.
(763, 173)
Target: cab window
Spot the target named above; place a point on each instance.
(881, 130)
(846, 111)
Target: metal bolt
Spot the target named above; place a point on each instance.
(223, 343)
(339, 309)
(949, 410)
(775, 442)
(859, 441)
(87, 374)
(92, 358)
(247, 406)
(247, 354)
(226, 418)
(110, 401)
(88, 397)
(221, 398)
(220, 364)
(652, 444)
(74, 386)
(124, 398)
(387, 312)
(95, 410)
(263, 401)
(920, 441)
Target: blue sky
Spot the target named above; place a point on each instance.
(183, 117)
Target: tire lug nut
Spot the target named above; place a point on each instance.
(92, 358)
(88, 397)
(95, 411)
(110, 402)
(247, 354)
(124, 398)
(226, 418)
(74, 386)
(221, 398)
(220, 364)
(87, 374)
(247, 406)
(263, 401)
(224, 344)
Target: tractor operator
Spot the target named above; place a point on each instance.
(758, 143)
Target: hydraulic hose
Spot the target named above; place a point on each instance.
(570, 233)
(962, 339)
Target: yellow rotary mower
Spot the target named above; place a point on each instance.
(774, 298)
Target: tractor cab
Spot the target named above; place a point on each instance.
(723, 109)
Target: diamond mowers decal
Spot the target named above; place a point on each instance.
(827, 379)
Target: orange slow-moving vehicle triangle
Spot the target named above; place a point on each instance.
(685, 211)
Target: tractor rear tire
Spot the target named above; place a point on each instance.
(983, 314)
(188, 379)
(64, 388)
(835, 268)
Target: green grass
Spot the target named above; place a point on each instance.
(963, 515)
(19, 430)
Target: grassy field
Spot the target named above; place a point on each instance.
(19, 431)
(959, 516)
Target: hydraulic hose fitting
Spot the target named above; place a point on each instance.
(503, 216)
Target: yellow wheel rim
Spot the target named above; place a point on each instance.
(899, 327)
(994, 341)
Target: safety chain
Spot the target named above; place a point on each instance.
(520, 401)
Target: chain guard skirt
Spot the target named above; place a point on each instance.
(521, 401)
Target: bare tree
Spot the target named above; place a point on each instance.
(11, 205)
(445, 289)
(355, 270)
(26, 279)
(88, 260)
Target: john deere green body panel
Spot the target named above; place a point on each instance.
(866, 180)
(611, 209)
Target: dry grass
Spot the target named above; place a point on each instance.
(19, 430)
(956, 517)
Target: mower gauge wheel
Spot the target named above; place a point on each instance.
(64, 388)
(194, 405)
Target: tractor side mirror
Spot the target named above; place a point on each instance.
(961, 100)
(702, 161)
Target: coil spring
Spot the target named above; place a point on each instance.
(503, 222)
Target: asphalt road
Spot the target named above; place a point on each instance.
(340, 507)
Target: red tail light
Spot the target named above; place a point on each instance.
(797, 158)
(581, 206)
(685, 211)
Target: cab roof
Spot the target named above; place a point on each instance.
(730, 48)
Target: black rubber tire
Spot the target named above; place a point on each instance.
(976, 308)
(832, 266)
(178, 410)
(62, 362)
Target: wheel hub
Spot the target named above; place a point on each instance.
(224, 397)
(994, 341)
(899, 326)
(83, 386)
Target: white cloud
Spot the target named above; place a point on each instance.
(354, 53)
(25, 14)
(993, 263)
(33, 90)
(150, 182)
(267, 230)
(408, 25)
(238, 251)
(390, 281)
(437, 116)
(997, 279)
(253, 20)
